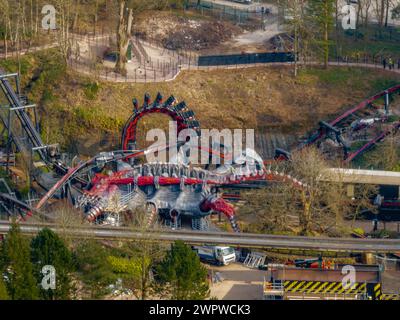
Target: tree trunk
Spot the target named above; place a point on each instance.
(31, 23)
(359, 13)
(37, 19)
(382, 13)
(296, 39)
(95, 17)
(326, 40)
(23, 18)
(123, 35)
(5, 41)
(305, 217)
(387, 13)
(76, 16)
(336, 27)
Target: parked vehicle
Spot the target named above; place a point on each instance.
(215, 254)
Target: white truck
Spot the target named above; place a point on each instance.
(215, 254)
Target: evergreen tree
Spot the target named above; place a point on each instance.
(49, 249)
(3, 289)
(321, 18)
(17, 266)
(182, 275)
(95, 270)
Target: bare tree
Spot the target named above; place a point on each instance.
(381, 11)
(5, 18)
(390, 148)
(124, 30)
(271, 208)
(143, 252)
(297, 27)
(366, 5)
(63, 8)
(320, 205)
(67, 218)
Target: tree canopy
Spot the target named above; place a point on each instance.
(94, 267)
(17, 266)
(3, 290)
(182, 274)
(48, 249)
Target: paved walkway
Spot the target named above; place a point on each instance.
(153, 64)
(238, 283)
(26, 51)
(160, 65)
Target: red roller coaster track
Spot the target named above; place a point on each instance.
(185, 118)
(321, 132)
(179, 112)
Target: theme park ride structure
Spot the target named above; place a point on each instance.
(172, 190)
(113, 183)
(367, 123)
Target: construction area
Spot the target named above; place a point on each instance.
(303, 280)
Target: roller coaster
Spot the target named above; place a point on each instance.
(111, 183)
(368, 123)
(108, 186)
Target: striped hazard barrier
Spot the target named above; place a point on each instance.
(377, 291)
(379, 295)
(323, 287)
(390, 296)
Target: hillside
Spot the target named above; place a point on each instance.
(85, 115)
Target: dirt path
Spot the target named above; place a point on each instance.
(253, 41)
(29, 50)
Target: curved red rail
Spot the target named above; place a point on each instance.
(319, 134)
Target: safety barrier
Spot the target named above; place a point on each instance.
(390, 296)
(320, 287)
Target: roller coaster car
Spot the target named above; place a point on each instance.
(53, 152)
(360, 124)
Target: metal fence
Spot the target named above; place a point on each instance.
(165, 65)
(170, 71)
(248, 58)
(379, 60)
